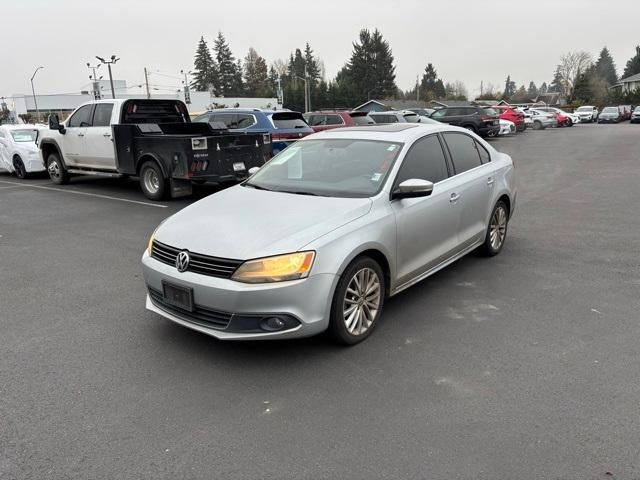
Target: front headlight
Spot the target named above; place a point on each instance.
(150, 244)
(292, 266)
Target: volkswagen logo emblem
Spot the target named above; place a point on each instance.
(182, 261)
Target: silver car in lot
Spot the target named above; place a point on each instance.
(327, 230)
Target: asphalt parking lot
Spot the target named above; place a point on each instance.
(521, 366)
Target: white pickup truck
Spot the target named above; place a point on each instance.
(152, 139)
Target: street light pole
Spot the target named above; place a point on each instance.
(33, 90)
(96, 86)
(109, 63)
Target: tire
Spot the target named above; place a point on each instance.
(18, 165)
(57, 172)
(496, 230)
(537, 125)
(568, 123)
(348, 299)
(152, 181)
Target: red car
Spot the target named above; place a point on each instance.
(326, 120)
(508, 113)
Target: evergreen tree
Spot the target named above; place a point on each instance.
(532, 91)
(439, 91)
(227, 68)
(237, 89)
(313, 71)
(633, 65)
(256, 76)
(557, 85)
(370, 70)
(205, 75)
(606, 68)
(543, 88)
(509, 87)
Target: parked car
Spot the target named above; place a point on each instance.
(483, 121)
(507, 127)
(326, 120)
(329, 229)
(635, 116)
(587, 113)
(18, 150)
(528, 118)
(542, 119)
(625, 111)
(565, 119)
(284, 126)
(512, 115)
(150, 138)
(423, 112)
(610, 115)
(398, 116)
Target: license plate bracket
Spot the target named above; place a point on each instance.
(178, 296)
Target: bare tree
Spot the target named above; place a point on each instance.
(572, 65)
(280, 66)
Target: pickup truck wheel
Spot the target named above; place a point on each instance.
(56, 170)
(152, 181)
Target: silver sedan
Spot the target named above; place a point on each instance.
(327, 230)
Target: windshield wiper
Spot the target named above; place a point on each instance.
(257, 187)
(297, 192)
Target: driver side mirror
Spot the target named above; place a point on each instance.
(54, 123)
(412, 188)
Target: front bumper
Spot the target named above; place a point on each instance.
(308, 301)
(609, 120)
(33, 164)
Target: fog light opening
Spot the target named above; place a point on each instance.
(273, 324)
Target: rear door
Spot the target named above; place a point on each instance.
(473, 185)
(426, 226)
(74, 142)
(99, 145)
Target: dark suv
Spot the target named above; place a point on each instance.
(483, 121)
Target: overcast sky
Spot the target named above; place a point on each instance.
(466, 40)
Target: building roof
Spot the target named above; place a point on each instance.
(632, 78)
(390, 104)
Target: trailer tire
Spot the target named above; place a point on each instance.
(152, 181)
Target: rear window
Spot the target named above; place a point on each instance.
(384, 118)
(361, 118)
(489, 111)
(412, 118)
(154, 111)
(288, 120)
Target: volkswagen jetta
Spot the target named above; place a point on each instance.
(328, 229)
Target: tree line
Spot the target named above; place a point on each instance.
(370, 73)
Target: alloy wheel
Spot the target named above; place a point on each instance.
(498, 228)
(54, 169)
(151, 180)
(361, 301)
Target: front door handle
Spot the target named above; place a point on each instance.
(81, 134)
(106, 134)
(454, 198)
(490, 181)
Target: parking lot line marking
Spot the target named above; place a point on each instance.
(97, 195)
(13, 186)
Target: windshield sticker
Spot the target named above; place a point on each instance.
(392, 148)
(376, 177)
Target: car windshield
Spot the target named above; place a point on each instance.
(353, 168)
(24, 135)
(636, 110)
(585, 109)
(412, 117)
(610, 110)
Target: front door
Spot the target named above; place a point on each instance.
(425, 226)
(99, 144)
(74, 144)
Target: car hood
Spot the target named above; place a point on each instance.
(244, 223)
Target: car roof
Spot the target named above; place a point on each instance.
(394, 132)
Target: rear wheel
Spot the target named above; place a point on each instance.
(357, 301)
(537, 125)
(18, 165)
(497, 230)
(57, 173)
(152, 181)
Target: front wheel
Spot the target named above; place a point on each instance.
(497, 230)
(57, 173)
(357, 301)
(152, 181)
(21, 171)
(537, 125)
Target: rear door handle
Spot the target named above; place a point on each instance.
(106, 134)
(454, 198)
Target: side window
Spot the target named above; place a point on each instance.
(334, 120)
(425, 160)
(245, 120)
(484, 155)
(102, 115)
(463, 150)
(316, 120)
(82, 118)
(439, 113)
(229, 119)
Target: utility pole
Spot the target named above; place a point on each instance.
(33, 90)
(94, 77)
(146, 82)
(280, 94)
(481, 87)
(187, 93)
(417, 89)
(109, 63)
(307, 92)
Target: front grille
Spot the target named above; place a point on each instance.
(198, 263)
(200, 315)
